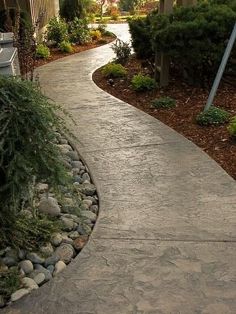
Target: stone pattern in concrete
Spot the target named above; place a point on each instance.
(165, 239)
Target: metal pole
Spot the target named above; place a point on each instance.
(221, 69)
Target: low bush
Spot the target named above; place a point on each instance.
(113, 70)
(57, 30)
(66, 46)
(95, 34)
(163, 102)
(28, 121)
(232, 127)
(42, 51)
(79, 31)
(122, 51)
(213, 116)
(140, 30)
(194, 38)
(143, 83)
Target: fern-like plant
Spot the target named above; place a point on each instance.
(27, 144)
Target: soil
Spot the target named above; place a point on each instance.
(190, 101)
(57, 54)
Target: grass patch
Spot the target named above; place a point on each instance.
(163, 103)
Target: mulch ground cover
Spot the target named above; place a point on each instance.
(190, 101)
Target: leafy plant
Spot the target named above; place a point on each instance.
(163, 102)
(27, 144)
(95, 34)
(79, 31)
(213, 116)
(42, 51)
(122, 51)
(113, 70)
(66, 46)
(57, 30)
(143, 83)
(232, 127)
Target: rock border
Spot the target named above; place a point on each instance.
(77, 214)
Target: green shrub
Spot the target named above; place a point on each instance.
(57, 30)
(9, 282)
(27, 135)
(122, 51)
(163, 102)
(70, 9)
(29, 232)
(79, 31)
(95, 34)
(194, 38)
(66, 46)
(102, 28)
(140, 30)
(42, 51)
(232, 127)
(114, 70)
(213, 116)
(143, 83)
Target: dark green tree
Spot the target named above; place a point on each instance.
(69, 9)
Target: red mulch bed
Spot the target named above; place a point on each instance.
(57, 54)
(214, 140)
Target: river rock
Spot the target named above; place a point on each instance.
(40, 278)
(52, 260)
(27, 266)
(59, 267)
(9, 261)
(35, 258)
(49, 206)
(29, 283)
(47, 249)
(86, 188)
(68, 224)
(89, 215)
(65, 252)
(56, 239)
(19, 294)
(80, 242)
(77, 164)
(73, 155)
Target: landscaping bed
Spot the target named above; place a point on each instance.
(190, 101)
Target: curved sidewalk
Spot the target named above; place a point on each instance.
(164, 242)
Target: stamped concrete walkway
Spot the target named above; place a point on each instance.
(165, 239)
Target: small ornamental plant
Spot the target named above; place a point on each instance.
(113, 70)
(213, 116)
(141, 83)
(163, 103)
(66, 46)
(232, 127)
(42, 51)
(122, 51)
(95, 34)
